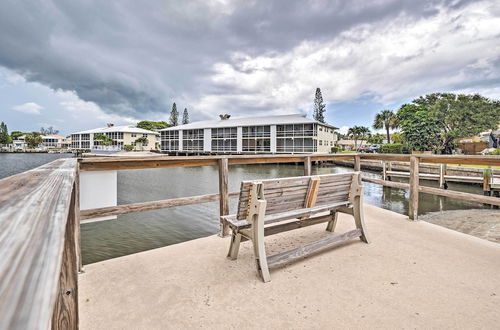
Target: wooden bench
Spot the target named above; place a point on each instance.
(269, 207)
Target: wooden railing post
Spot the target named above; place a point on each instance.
(486, 181)
(307, 166)
(442, 173)
(357, 163)
(76, 210)
(414, 182)
(65, 313)
(223, 193)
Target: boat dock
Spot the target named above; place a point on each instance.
(414, 274)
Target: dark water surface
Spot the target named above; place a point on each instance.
(132, 233)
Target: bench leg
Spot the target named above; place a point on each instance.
(332, 223)
(359, 218)
(235, 245)
(258, 243)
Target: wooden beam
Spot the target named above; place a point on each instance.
(414, 183)
(287, 256)
(223, 193)
(147, 206)
(34, 210)
(461, 195)
(486, 180)
(392, 184)
(357, 163)
(65, 314)
(307, 166)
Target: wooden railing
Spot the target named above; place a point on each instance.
(40, 217)
(39, 248)
(99, 164)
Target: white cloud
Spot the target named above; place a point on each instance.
(343, 129)
(29, 108)
(389, 61)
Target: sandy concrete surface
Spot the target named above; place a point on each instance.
(480, 223)
(413, 275)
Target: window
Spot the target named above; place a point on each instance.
(144, 135)
(192, 140)
(289, 145)
(224, 139)
(115, 135)
(320, 142)
(296, 130)
(169, 140)
(133, 135)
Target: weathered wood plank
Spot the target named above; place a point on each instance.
(34, 210)
(65, 314)
(223, 193)
(414, 178)
(461, 195)
(287, 256)
(148, 206)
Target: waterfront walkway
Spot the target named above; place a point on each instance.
(412, 275)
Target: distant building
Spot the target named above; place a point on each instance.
(53, 141)
(50, 141)
(350, 144)
(271, 134)
(120, 135)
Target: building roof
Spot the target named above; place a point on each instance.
(249, 121)
(53, 136)
(124, 129)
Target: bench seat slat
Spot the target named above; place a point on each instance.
(231, 219)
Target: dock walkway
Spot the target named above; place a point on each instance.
(413, 275)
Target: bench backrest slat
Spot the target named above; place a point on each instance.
(287, 194)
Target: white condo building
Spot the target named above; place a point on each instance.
(272, 134)
(120, 136)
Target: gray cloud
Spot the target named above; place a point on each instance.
(137, 57)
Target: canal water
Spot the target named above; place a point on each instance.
(136, 232)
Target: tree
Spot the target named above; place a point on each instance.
(16, 134)
(376, 139)
(358, 133)
(33, 139)
(4, 134)
(388, 120)
(460, 115)
(419, 127)
(453, 116)
(174, 116)
(142, 141)
(152, 125)
(104, 139)
(185, 117)
(49, 130)
(319, 107)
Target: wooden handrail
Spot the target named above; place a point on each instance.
(38, 245)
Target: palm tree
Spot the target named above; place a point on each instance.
(388, 120)
(358, 132)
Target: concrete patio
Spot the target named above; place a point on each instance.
(412, 275)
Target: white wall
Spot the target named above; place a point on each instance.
(207, 139)
(239, 139)
(273, 138)
(98, 189)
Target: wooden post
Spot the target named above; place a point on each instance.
(307, 166)
(389, 168)
(357, 163)
(413, 202)
(223, 193)
(384, 170)
(76, 210)
(65, 314)
(442, 173)
(486, 181)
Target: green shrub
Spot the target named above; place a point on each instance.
(128, 147)
(494, 152)
(392, 148)
(335, 150)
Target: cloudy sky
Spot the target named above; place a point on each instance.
(79, 64)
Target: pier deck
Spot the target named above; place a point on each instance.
(412, 275)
